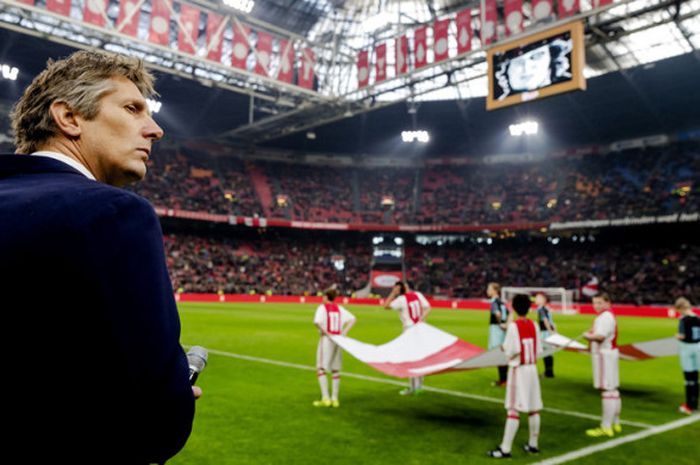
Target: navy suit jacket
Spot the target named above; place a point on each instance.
(90, 331)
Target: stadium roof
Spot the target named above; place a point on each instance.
(626, 34)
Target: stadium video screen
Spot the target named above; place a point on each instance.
(541, 65)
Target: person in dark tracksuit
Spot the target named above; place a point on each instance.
(547, 328)
(689, 352)
(498, 318)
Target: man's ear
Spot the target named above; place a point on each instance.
(65, 118)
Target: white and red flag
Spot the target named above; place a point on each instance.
(306, 68)
(590, 289)
(380, 64)
(240, 45)
(401, 55)
(440, 45)
(189, 28)
(568, 7)
(599, 3)
(513, 12)
(263, 53)
(159, 30)
(464, 31)
(215, 34)
(94, 12)
(128, 19)
(541, 9)
(420, 46)
(489, 21)
(420, 350)
(646, 350)
(59, 6)
(285, 70)
(362, 69)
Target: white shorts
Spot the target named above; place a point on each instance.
(523, 389)
(606, 369)
(328, 355)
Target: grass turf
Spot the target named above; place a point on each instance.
(257, 413)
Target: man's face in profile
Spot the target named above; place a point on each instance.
(117, 143)
(530, 70)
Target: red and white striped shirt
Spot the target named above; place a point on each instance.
(332, 317)
(523, 343)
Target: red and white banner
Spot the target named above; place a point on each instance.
(215, 35)
(489, 21)
(159, 30)
(362, 69)
(285, 70)
(464, 31)
(665, 347)
(440, 44)
(420, 47)
(240, 45)
(541, 9)
(59, 6)
(401, 55)
(380, 63)
(599, 3)
(513, 13)
(94, 12)
(306, 68)
(590, 289)
(263, 53)
(420, 350)
(568, 7)
(128, 19)
(385, 279)
(189, 28)
(27, 2)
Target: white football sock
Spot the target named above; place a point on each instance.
(618, 408)
(534, 429)
(336, 385)
(323, 382)
(511, 429)
(609, 408)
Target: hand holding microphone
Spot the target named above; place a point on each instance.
(197, 360)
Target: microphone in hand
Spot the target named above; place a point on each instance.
(197, 360)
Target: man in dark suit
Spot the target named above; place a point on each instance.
(90, 328)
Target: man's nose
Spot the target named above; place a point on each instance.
(152, 130)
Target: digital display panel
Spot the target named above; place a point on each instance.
(537, 66)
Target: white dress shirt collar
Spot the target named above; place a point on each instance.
(68, 161)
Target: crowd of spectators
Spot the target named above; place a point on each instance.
(185, 179)
(631, 183)
(311, 193)
(301, 266)
(631, 272)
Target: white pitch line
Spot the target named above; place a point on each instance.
(577, 454)
(448, 392)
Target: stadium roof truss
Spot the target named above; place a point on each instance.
(624, 34)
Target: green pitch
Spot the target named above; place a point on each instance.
(255, 412)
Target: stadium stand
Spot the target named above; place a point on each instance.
(617, 184)
(632, 272)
